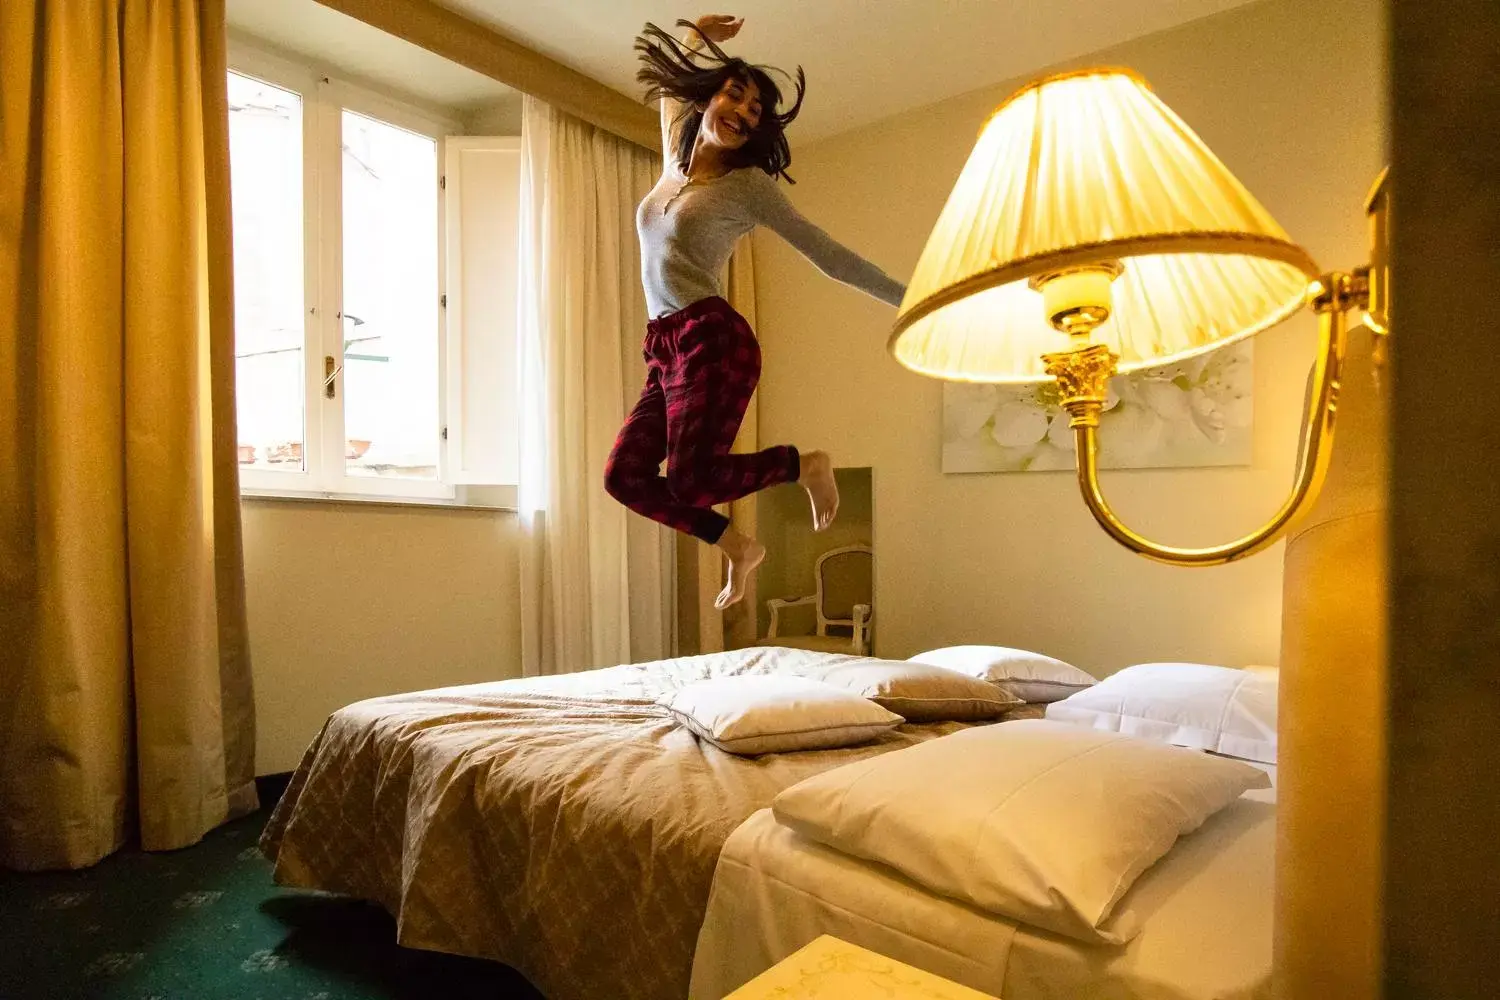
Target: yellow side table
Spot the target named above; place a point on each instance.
(830, 969)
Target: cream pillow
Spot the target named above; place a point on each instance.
(919, 692)
(1228, 711)
(1032, 677)
(1045, 824)
(775, 713)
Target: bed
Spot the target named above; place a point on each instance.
(1207, 909)
(564, 826)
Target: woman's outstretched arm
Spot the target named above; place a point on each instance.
(716, 27)
(671, 109)
(773, 210)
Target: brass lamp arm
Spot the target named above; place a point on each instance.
(1332, 296)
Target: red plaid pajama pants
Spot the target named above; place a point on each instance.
(702, 365)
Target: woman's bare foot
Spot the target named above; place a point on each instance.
(817, 478)
(745, 554)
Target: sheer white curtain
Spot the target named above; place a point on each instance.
(597, 583)
(702, 569)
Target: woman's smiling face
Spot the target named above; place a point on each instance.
(732, 114)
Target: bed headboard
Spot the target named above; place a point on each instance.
(1332, 711)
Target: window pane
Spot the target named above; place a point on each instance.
(390, 301)
(265, 162)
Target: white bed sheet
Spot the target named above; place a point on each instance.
(1206, 911)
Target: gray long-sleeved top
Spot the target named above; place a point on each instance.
(689, 228)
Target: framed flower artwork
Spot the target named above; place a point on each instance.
(1191, 414)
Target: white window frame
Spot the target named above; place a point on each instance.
(480, 482)
(324, 99)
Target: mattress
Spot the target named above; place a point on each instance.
(1206, 911)
(562, 825)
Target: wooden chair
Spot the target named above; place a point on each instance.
(845, 583)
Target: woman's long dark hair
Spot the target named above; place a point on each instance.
(669, 70)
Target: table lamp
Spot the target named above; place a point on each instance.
(1092, 232)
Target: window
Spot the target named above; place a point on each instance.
(345, 382)
(390, 284)
(265, 153)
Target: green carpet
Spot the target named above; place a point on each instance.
(206, 923)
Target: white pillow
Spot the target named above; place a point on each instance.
(1045, 824)
(1228, 711)
(918, 692)
(1032, 677)
(775, 713)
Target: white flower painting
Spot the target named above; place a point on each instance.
(1196, 413)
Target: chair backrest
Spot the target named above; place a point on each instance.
(845, 577)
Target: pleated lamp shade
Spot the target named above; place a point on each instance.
(1082, 169)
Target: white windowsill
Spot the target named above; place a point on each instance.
(495, 498)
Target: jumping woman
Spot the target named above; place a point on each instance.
(723, 148)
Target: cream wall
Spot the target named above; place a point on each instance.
(349, 601)
(1290, 96)
(496, 118)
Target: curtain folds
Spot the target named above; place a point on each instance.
(598, 583)
(124, 668)
(736, 626)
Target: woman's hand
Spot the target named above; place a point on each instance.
(719, 27)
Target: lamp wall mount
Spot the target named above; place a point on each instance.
(1083, 374)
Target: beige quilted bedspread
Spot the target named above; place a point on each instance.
(562, 825)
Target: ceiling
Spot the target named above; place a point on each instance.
(333, 40)
(865, 60)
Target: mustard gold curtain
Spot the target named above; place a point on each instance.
(124, 672)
